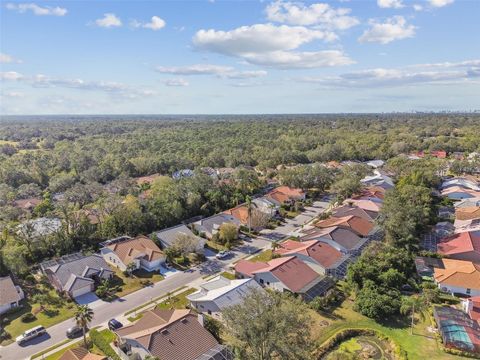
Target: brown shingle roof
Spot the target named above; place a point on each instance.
(464, 274)
(8, 291)
(356, 223)
(323, 253)
(130, 249)
(467, 213)
(80, 353)
(170, 334)
(346, 210)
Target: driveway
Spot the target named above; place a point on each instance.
(292, 226)
(90, 299)
(105, 311)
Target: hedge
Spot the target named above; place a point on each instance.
(347, 334)
(103, 344)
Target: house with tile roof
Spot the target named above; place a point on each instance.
(218, 293)
(467, 213)
(379, 178)
(285, 195)
(285, 274)
(141, 251)
(10, 294)
(371, 206)
(346, 210)
(359, 225)
(461, 182)
(76, 274)
(239, 212)
(460, 193)
(472, 307)
(323, 258)
(211, 225)
(80, 353)
(343, 239)
(169, 335)
(461, 246)
(458, 277)
(371, 192)
(472, 202)
(466, 225)
(167, 237)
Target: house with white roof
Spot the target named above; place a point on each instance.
(217, 294)
(462, 182)
(266, 205)
(378, 179)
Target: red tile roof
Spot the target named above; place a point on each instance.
(459, 273)
(130, 249)
(356, 223)
(325, 254)
(468, 241)
(240, 213)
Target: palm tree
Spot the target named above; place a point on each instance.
(250, 206)
(411, 304)
(84, 316)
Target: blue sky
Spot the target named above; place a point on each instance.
(187, 57)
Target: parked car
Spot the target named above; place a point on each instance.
(74, 331)
(114, 324)
(223, 254)
(31, 334)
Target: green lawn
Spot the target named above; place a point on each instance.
(138, 280)
(50, 316)
(176, 302)
(228, 275)
(58, 354)
(419, 346)
(263, 256)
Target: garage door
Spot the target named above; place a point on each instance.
(82, 291)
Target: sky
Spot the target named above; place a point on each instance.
(238, 57)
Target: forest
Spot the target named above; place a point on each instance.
(77, 166)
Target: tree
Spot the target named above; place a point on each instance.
(227, 233)
(185, 244)
(377, 302)
(269, 325)
(83, 317)
(250, 206)
(131, 267)
(410, 304)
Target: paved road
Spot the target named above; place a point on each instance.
(107, 311)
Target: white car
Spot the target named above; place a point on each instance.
(223, 254)
(30, 334)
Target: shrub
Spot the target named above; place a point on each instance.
(99, 341)
(28, 317)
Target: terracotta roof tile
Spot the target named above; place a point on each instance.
(460, 243)
(356, 223)
(464, 274)
(323, 253)
(239, 212)
(131, 249)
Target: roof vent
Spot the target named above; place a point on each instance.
(184, 321)
(164, 332)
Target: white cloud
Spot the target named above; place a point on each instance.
(156, 23)
(396, 4)
(300, 60)
(323, 15)
(395, 28)
(37, 10)
(209, 69)
(440, 3)
(10, 75)
(417, 7)
(176, 82)
(258, 38)
(8, 59)
(109, 20)
(271, 45)
(13, 94)
(197, 69)
(460, 72)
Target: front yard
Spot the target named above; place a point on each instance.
(139, 279)
(53, 312)
(264, 256)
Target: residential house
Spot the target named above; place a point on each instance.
(167, 237)
(378, 178)
(443, 229)
(371, 206)
(375, 163)
(439, 154)
(359, 225)
(240, 213)
(461, 182)
(184, 173)
(266, 205)
(10, 294)
(344, 240)
(457, 155)
(467, 213)
(169, 335)
(347, 210)
(446, 212)
(285, 274)
(460, 193)
(425, 266)
(466, 225)
(472, 202)
(371, 192)
(457, 330)
(285, 195)
(225, 173)
(211, 225)
(80, 353)
(458, 277)
(472, 307)
(461, 246)
(40, 227)
(141, 251)
(27, 204)
(323, 258)
(76, 274)
(217, 294)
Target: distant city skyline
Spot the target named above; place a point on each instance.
(232, 57)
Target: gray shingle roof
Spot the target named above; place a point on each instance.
(213, 222)
(8, 291)
(168, 236)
